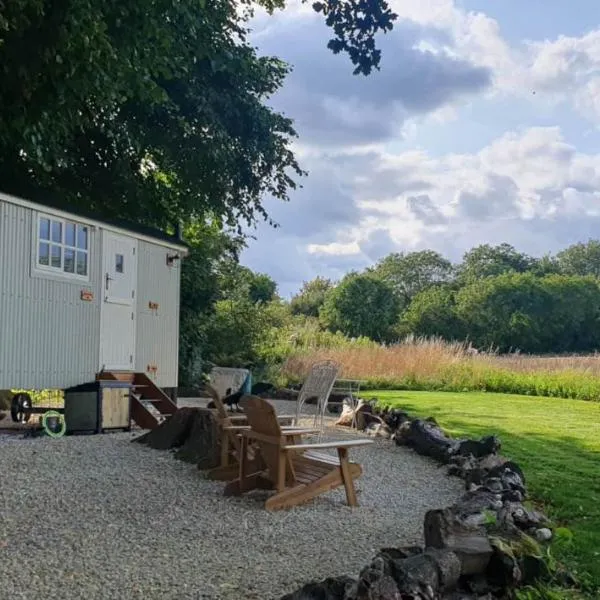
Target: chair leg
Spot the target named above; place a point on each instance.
(347, 477)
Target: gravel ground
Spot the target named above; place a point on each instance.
(99, 517)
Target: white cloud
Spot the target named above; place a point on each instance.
(529, 187)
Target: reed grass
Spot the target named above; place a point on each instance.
(434, 364)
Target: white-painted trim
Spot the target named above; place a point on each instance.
(92, 222)
(51, 272)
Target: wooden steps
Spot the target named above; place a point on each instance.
(150, 406)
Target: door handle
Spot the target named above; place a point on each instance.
(108, 278)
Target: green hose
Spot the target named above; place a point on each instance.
(63, 428)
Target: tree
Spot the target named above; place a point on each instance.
(360, 305)
(410, 274)
(432, 312)
(490, 261)
(261, 288)
(153, 111)
(210, 249)
(237, 281)
(508, 312)
(573, 325)
(310, 298)
(580, 259)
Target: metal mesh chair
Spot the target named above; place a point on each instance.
(318, 384)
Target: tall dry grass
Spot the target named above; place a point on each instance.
(433, 364)
(414, 358)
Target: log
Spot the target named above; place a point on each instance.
(194, 432)
(428, 439)
(471, 544)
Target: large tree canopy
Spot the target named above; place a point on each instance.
(153, 111)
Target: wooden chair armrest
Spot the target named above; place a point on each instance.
(291, 430)
(325, 445)
(297, 431)
(245, 417)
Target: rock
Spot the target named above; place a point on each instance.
(503, 569)
(533, 569)
(332, 588)
(430, 572)
(493, 484)
(394, 418)
(444, 530)
(543, 535)
(378, 430)
(401, 434)
(374, 584)
(483, 447)
(525, 519)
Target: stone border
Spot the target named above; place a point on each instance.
(482, 547)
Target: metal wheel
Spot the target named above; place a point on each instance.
(20, 407)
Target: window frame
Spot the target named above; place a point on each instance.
(48, 270)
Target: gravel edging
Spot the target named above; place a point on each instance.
(99, 517)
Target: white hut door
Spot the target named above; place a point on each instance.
(118, 313)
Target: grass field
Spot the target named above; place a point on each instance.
(555, 441)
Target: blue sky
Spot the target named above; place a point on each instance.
(482, 126)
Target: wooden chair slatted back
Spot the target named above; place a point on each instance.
(224, 419)
(263, 419)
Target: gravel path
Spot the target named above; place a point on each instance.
(99, 517)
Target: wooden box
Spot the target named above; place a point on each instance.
(98, 406)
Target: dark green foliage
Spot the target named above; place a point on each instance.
(211, 251)
(361, 305)
(580, 259)
(519, 311)
(153, 112)
(489, 261)
(409, 274)
(310, 298)
(432, 313)
(355, 24)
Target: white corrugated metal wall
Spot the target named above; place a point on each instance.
(157, 330)
(49, 336)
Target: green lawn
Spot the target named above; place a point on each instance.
(555, 441)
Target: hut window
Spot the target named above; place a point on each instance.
(63, 247)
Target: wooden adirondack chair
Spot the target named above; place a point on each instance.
(230, 427)
(295, 470)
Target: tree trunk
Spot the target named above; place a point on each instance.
(193, 431)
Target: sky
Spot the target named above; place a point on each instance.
(482, 126)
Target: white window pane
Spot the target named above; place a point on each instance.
(82, 237)
(55, 256)
(82, 263)
(44, 254)
(70, 234)
(69, 261)
(57, 231)
(44, 229)
(119, 263)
